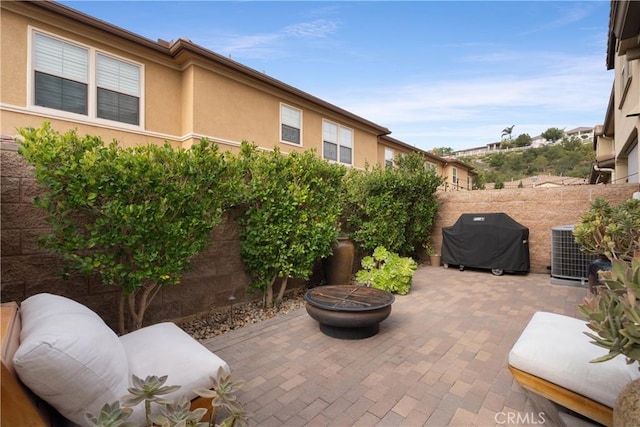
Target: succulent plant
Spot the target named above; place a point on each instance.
(111, 415)
(148, 390)
(613, 231)
(223, 397)
(179, 414)
(614, 312)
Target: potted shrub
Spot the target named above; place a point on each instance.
(613, 313)
(435, 258)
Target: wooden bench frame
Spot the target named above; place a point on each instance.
(564, 397)
(18, 405)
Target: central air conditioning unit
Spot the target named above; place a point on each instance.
(568, 263)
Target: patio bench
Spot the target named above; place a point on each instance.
(551, 358)
(60, 360)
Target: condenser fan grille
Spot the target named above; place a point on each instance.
(567, 260)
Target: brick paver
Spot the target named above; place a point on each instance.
(439, 359)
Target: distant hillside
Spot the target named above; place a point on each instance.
(568, 158)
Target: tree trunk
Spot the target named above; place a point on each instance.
(283, 287)
(269, 301)
(138, 302)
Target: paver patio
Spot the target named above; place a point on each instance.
(440, 359)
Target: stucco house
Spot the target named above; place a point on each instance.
(616, 141)
(75, 71)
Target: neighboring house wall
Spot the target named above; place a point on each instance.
(616, 141)
(185, 91)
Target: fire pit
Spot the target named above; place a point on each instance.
(348, 312)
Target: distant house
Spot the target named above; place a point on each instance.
(76, 71)
(616, 141)
(541, 181)
(457, 175)
(582, 133)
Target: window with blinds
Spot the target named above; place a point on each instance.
(62, 80)
(118, 87)
(61, 75)
(388, 158)
(337, 143)
(290, 124)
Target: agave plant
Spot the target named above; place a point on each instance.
(614, 312)
(223, 396)
(148, 390)
(111, 415)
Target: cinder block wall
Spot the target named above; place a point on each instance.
(540, 209)
(26, 269)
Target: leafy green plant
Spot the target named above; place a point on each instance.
(387, 271)
(392, 207)
(174, 414)
(430, 248)
(135, 216)
(293, 208)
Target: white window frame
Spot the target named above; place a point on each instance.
(454, 176)
(340, 142)
(389, 158)
(92, 96)
(287, 122)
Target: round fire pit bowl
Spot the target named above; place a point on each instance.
(348, 312)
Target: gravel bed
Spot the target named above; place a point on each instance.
(223, 319)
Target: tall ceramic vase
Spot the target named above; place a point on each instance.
(339, 265)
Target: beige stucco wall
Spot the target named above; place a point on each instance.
(185, 98)
(626, 128)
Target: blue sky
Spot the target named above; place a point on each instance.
(436, 73)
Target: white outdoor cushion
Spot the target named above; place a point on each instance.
(69, 357)
(165, 349)
(555, 348)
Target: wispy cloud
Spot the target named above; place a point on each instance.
(436, 109)
(270, 45)
(568, 13)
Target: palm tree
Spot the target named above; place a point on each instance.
(507, 131)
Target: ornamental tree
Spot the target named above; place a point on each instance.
(135, 216)
(393, 208)
(291, 221)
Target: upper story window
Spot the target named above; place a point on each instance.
(290, 125)
(61, 78)
(118, 86)
(337, 143)
(388, 157)
(429, 165)
(78, 79)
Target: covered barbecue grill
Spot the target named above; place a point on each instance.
(492, 241)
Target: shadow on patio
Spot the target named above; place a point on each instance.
(440, 359)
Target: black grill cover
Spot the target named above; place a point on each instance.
(486, 240)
